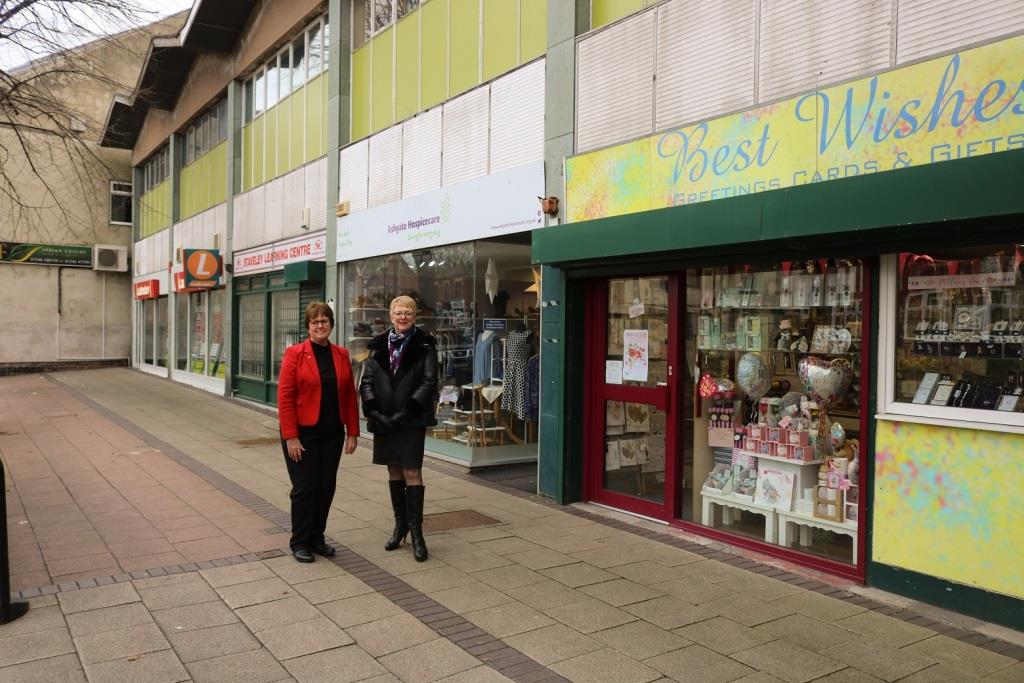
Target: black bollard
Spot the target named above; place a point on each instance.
(9, 611)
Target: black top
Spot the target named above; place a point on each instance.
(329, 421)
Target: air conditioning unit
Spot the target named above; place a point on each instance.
(112, 257)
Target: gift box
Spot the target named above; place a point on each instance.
(799, 437)
(766, 448)
(782, 450)
(752, 445)
(775, 434)
(804, 453)
(754, 431)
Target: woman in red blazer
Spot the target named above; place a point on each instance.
(316, 407)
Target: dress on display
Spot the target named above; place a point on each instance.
(517, 354)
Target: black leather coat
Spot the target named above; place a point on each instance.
(413, 387)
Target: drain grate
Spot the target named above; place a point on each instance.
(260, 441)
(458, 519)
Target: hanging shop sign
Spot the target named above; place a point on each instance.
(76, 255)
(146, 289)
(966, 104)
(498, 204)
(275, 256)
(202, 268)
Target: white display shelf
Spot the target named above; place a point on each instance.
(776, 458)
(806, 522)
(728, 504)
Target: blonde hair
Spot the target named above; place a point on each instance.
(403, 301)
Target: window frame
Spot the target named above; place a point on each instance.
(120, 192)
(899, 411)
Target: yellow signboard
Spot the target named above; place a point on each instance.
(966, 104)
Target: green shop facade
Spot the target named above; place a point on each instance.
(799, 330)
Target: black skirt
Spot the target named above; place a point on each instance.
(403, 448)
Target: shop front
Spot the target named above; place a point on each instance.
(272, 286)
(463, 253)
(798, 329)
(199, 307)
(151, 351)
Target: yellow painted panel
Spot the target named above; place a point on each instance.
(247, 157)
(361, 90)
(314, 118)
(606, 11)
(297, 127)
(284, 116)
(499, 37)
(407, 66)
(464, 70)
(381, 113)
(533, 29)
(258, 151)
(270, 144)
(947, 504)
(156, 209)
(434, 53)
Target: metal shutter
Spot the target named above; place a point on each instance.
(517, 117)
(615, 83)
(386, 166)
(805, 45)
(421, 153)
(293, 201)
(315, 182)
(698, 80)
(353, 175)
(273, 212)
(465, 123)
(928, 27)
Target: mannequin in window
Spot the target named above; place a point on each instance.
(517, 355)
(482, 357)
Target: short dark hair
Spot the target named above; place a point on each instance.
(316, 309)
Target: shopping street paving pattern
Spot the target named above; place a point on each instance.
(147, 524)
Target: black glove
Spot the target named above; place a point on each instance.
(382, 420)
(399, 419)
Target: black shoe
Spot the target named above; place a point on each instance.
(397, 489)
(303, 555)
(414, 511)
(324, 549)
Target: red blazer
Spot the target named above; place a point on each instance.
(298, 390)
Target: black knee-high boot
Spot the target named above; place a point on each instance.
(397, 487)
(414, 506)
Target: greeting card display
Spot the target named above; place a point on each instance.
(611, 456)
(638, 417)
(774, 488)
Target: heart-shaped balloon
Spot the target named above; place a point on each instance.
(826, 381)
(752, 375)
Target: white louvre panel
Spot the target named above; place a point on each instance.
(697, 80)
(138, 258)
(316, 193)
(352, 175)
(204, 233)
(293, 202)
(464, 151)
(273, 211)
(386, 166)
(421, 153)
(240, 223)
(808, 44)
(257, 216)
(928, 27)
(615, 83)
(517, 117)
(220, 223)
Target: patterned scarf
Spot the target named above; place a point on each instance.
(396, 347)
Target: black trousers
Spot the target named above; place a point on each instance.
(314, 479)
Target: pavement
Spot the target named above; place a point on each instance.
(148, 521)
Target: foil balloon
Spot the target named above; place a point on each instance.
(752, 375)
(725, 385)
(826, 381)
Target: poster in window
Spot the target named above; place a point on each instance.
(636, 355)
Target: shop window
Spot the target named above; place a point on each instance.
(120, 203)
(181, 331)
(251, 349)
(285, 327)
(149, 308)
(162, 322)
(957, 334)
(479, 300)
(774, 379)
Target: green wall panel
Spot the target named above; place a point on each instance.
(247, 157)
(203, 182)
(499, 37)
(606, 11)
(381, 112)
(156, 209)
(257, 150)
(282, 137)
(434, 53)
(314, 120)
(361, 91)
(297, 128)
(533, 29)
(270, 144)
(464, 68)
(407, 66)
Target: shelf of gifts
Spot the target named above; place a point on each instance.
(854, 351)
(1011, 350)
(737, 452)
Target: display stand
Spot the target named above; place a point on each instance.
(805, 472)
(728, 504)
(806, 522)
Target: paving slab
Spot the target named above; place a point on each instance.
(697, 663)
(276, 613)
(303, 638)
(641, 640)
(553, 643)
(65, 668)
(257, 666)
(788, 662)
(669, 612)
(179, 619)
(340, 665)
(359, 609)
(256, 592)
(120, 643)
(881, 628)
(960, 656)
(152, 667)
(387, 635)
(430, 661)
(881, 661)
(606, 666)
(35, 645)
(215, 641)
(509, 619)
(95, 598)
(108, 619)
(804, 631)
(724, 636)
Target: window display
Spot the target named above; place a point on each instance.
(479, 300)
(775, 369)
(960, 329)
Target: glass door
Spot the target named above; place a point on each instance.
(632, 411)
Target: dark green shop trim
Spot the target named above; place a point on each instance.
(304, 271)
(994, 607)
(881, 207)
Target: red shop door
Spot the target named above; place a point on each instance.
(632, 394)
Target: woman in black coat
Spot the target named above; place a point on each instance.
(398, 390)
